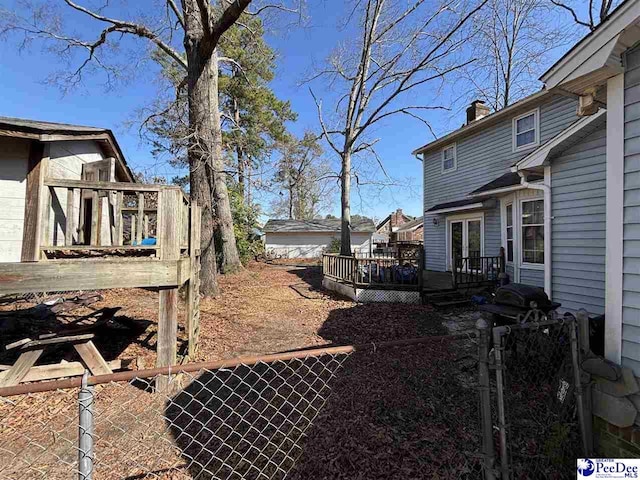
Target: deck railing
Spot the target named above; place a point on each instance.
(477, 270)
(375, 272)
(80, 217)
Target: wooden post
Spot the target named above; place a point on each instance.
(140, 218)
(119, 240)
(193, 286)
(170, 200)
(96, 220)
(70, 223)
(35, 201)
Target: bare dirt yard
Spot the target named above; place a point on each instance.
(399, 413)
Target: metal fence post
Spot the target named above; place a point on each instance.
(484, 388)
(584, 430)
(502, 424)
(85, 431)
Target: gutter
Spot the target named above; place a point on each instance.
(545, 186)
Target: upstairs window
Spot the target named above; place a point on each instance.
(526, 131)
(533, 231)
(449, 159)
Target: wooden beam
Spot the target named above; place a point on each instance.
(69, 275)
(64, 369)
(92, 358)
(19, 370)
(98, 248)
(33, 215)
(140, 218)
(107, 186)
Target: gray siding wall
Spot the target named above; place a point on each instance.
(578, 192)
(480, 158)
(631, 232)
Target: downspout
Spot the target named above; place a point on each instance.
(545, 186)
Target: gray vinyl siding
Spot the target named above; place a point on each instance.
(578, 193)
(631, 227)
(532, 277)
(480, 158)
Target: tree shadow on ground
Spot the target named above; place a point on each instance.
(399, 413)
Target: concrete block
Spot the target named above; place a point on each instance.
(602, 368)
(618, 411)
(623, 387)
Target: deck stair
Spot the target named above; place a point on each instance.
(448, 298)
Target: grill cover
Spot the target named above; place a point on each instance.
(521, 295)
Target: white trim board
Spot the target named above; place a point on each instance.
(614, 218)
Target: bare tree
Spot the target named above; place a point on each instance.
(398, 47)
(303, 179)
(512, 38)
(198, 24)
(597, 12)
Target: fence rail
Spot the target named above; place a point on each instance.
(404, 272)
(478, 270)
(102, 217)
(232, 419)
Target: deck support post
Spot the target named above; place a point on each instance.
(169, 221)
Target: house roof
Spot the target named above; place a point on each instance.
(484, 122)
(319, 225)
(412, 225)
(461, 205)
(53, 132)
(507, 180)
(597, 56)
(565, 139)
(381, 223)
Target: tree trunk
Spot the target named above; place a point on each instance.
(345, 230)
(200, 162)
(230, 258)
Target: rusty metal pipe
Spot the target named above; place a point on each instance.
(214, 365)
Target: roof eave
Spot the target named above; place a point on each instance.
(482, 123)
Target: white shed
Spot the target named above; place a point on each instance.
(310, 238)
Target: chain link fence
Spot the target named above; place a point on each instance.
(532, 408)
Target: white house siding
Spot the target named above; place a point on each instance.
(631, 226)
(311, 244)
(14, 165)
(65, 162)
(481, 158)
(578, 192)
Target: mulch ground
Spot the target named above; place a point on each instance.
(403, 413)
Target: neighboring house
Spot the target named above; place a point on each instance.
(72, 153)
(310, 238)
(555, 180)
(385, 230)
(412, 231)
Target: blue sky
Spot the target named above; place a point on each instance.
(25, 93)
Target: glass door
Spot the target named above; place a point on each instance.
(474, 243)
(457, 243)
(465, 241)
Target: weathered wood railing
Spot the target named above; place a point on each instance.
(477, 270)
(375, 272)
(85, 217)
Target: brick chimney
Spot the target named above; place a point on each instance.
(476, 111)
(397, 218)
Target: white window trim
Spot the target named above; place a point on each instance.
(458, 218)
(455, 159)
(523, 264)
(536, 121)
(504, 203)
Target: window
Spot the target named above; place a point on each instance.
(533, 231)
(449, 158)
(525, 131)
(509, 232)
